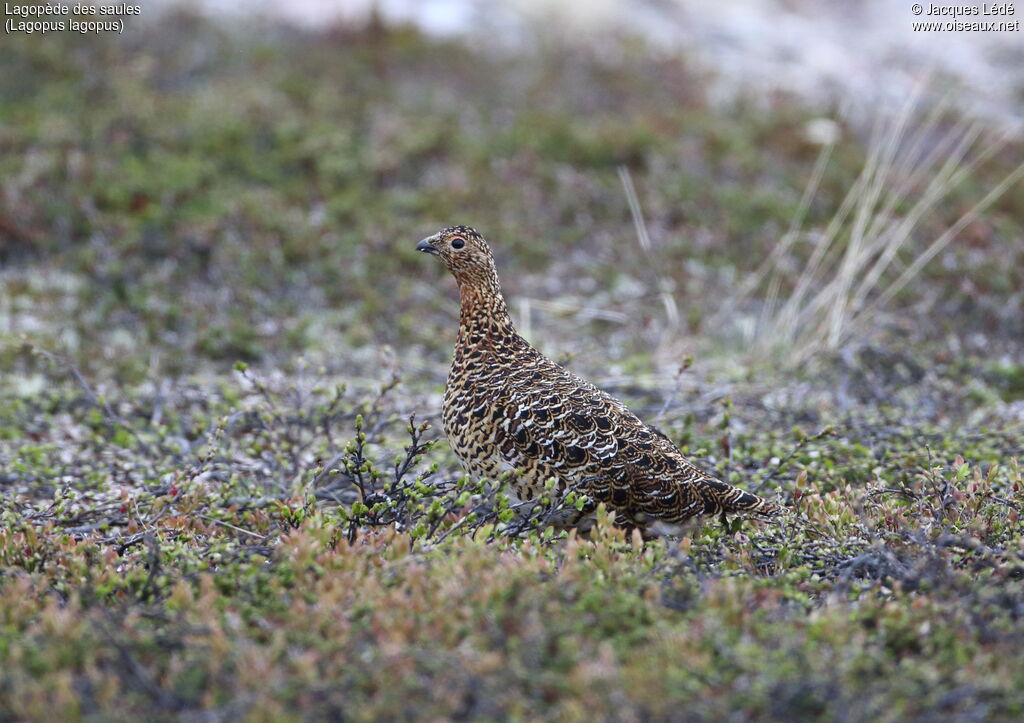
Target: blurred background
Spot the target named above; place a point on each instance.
(855, 52)
(781, 189)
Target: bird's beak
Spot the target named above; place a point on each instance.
(426, 245)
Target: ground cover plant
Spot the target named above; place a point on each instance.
(225, 493)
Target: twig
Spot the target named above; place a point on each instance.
(230, 526)
(111, 417)
(828, 431)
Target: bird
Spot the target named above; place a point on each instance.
(510, 412)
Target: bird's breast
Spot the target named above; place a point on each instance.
(473, 410)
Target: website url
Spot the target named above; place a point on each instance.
(964, 26)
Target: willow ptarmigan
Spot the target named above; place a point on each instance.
(508, 408)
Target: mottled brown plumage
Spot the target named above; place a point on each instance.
(508, 408)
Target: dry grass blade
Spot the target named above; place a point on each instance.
(791, 235)
(559, 306)
(943, 240)
(868, 237)
(664, 285)
(890, 237)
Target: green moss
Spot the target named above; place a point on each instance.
(1009, 379)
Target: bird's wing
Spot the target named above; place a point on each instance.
(566, 425)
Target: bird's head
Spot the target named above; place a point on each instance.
(464, 252)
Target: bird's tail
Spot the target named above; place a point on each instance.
(722, 498)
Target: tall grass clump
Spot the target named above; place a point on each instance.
(879, 238)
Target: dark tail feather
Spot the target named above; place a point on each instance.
(722, 498)
(750, 504)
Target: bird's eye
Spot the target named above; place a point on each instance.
(458, 243)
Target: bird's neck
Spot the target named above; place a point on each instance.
(483, 314)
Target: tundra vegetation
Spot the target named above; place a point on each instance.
(224, 489)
